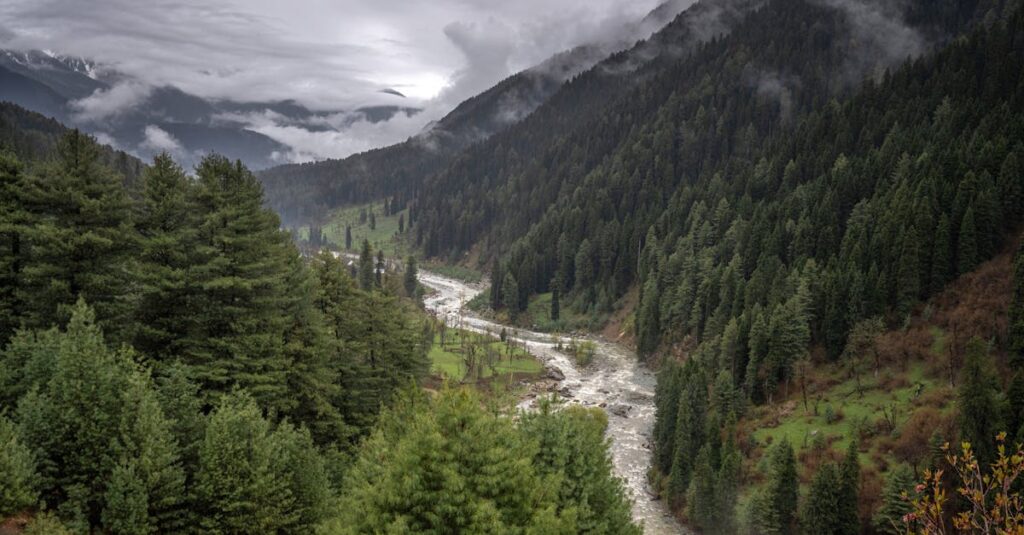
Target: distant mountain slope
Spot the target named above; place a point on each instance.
(33, 137)
(301, 193)
(188, 126)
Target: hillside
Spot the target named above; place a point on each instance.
(31, 136)
(306, 193)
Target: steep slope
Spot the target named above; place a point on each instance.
(304, 193)
(33, 137)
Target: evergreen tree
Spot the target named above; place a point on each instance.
(942, 256)
(348, 237)
(379, 269)
(727, 485)
(446, 465)
(13, 220)
(401, 223)
(781, 490)
(167, 237)
(410, 282)
(979, 404)
(967, 243)
(97, 412)
(125, 510)
(701, 500)
(847, 515)
(889, 517)
(366, 268)
(239, 485)
(247, 301)
(18, 480)
(80, 242)
(556, 307)
(573, 453)
(821, 511)
(510, 294)
(497, 280)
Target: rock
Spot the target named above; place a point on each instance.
(555, 373)
(620, 410)
(565, 392)
(602, 404)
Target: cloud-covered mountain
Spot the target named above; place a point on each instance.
(145, 120)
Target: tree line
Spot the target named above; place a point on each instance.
(172, 364)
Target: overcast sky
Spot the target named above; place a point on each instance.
(328, 55)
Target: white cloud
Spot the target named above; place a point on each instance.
(328, 55)
(103, 104)
(159, 140)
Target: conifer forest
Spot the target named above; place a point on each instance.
(602, 267)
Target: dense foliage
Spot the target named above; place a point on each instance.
(172, 364)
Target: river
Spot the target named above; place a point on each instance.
(616, 379)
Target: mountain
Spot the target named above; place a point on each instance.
(307, 192)
(792, 207)
(33, 137)
(159, 118)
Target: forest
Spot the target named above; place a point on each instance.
(805, 216)
(171, 363)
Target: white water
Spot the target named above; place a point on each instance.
(616, 378)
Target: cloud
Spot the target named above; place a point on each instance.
(159, 140)
(880, 36)
(328, 55)
(105, 103)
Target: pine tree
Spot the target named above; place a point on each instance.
(821, 511)
(556, 308)
(238, 486)
(167, 237)
(967, 243)
(781, 490)
(401, 223)
(510, 294)
(942, 256)
(889, 517)
(366, 269)
(908, 277)
(81, 243)
(245, 272)
(348, 237)
(849, 493)
(448, 465)
(572, 450)
(701, 499)
(18, 480)
(497, 280)
(979, 404)
(151, 454)
(410, 282)
(13, 220)
(379, 269)
(125, 510)
(727, 484)
(181, 405)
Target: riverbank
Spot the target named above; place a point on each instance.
(615, 380)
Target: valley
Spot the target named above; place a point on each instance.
(616, 381)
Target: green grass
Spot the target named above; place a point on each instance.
(461, 273)
(384, 235)
(856, 409)
(449, 359)
(537, 316)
